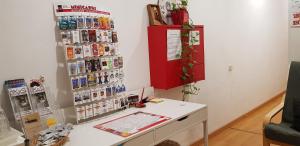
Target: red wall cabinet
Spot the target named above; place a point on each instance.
(166, 74)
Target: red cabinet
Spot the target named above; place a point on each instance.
(167, 74)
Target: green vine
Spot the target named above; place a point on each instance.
(188, 60)
(182, 5)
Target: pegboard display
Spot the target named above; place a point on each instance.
(94, 64)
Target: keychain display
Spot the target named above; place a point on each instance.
(88, 22)
(72, 68)
(83, 81)
(75, 83)
(95, 22)
(97, 108)
(75, 36)
(92, 35)
(94, 65)
(97, 65)
(38, 96)
(98, 35)
(95, 50)
(77, 98)
(89, 111)
(20, 101)
(70, 52)
(94, 94)
(101, 49)
(120, 62)
(107, 50)
(92, 80)
(63, 23)
(78, 52)
(102, 93)
(114, 37)
(81, 66)
(88, 66)
(84, 36)
(80, 112)
(116, 62)
(113, 50)
(66, 37)
(80, 22)
(109, 36)
(112, 24)
(72, 22)
(87, 51)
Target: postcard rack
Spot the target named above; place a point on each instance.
(95, 67)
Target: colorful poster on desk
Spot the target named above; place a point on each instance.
(131, 124)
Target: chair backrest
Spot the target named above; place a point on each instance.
(292, 92)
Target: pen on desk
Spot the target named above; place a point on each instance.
(142, 94)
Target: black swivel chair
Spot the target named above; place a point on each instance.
(285, 133)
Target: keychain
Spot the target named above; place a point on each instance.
(83, 81)
(92, 35)
(75, 83)
(81, 66)
(78, 52)
(88, 22)
(70, 52)
(80, 22)
(72, 22)
(63, 23)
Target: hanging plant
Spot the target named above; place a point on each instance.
(179, 12)
(180, 17)
(188, 61)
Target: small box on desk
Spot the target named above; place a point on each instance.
(167, 74)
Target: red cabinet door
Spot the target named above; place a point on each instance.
(167, 74)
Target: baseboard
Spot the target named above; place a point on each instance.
(216, 132)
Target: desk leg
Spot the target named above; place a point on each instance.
(205, 133)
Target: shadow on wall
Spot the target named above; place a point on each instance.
(64, 96)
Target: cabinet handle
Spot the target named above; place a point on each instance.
(183, 118)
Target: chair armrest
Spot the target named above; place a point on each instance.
(273, 112)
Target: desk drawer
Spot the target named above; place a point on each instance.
(164, 132)
(145, 140)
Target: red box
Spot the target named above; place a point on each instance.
(167, 74)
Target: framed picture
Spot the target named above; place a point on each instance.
(154, 15)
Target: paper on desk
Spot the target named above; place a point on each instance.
(173, 44)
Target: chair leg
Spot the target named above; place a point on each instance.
(265, 141)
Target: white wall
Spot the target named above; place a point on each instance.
(294, 43)
(250, 35)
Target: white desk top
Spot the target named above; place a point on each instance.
(86, 135)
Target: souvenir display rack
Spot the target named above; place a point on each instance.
(27, 99)
(94, 65)
(19, 97)
(29, 103)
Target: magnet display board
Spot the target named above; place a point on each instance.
(93, 61)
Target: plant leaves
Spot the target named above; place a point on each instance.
(184, 69)
(190, 65)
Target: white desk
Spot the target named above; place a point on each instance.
(12, 138)
(183, 114)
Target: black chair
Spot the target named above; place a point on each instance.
(285, 133)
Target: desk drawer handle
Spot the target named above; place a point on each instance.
(183, 118)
